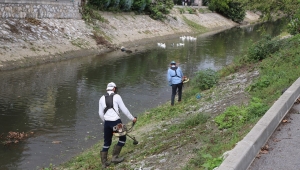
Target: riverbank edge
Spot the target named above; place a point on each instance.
(27, 59)
(137, 45)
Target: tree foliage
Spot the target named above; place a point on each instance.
(100, 4)
(125, 5)
(114, 3)
(294, 25)
(156, 9)
(160, 8)
(229, 8)
(270, 7)
(139, 5)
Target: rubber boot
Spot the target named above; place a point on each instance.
(115, 158)
(104, 161)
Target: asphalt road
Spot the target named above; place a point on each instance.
(282, 150)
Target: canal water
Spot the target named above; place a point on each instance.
(56, 104)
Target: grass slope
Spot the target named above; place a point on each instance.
(187, 136)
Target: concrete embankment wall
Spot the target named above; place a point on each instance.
(56, 9)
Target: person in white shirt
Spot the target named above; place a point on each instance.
(109, 105)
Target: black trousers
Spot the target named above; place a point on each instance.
(108, 134)
(176, 87)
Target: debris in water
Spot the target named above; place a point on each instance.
(15, 137)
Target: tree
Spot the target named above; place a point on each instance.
(270, 8)
(294, 25)
(229, 8)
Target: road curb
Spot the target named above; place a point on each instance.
(243, 154)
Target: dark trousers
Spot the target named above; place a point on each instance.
(108, 134)
(174, 91)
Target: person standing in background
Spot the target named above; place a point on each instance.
(175, 77)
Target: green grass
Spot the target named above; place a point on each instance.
(192, 127)
(194, 26)
(204, 10)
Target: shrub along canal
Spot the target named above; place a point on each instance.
(56, 104)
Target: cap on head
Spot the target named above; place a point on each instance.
(110, 86)
(173, 63)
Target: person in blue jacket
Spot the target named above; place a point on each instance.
(175, 77)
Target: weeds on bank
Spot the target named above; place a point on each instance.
(204, 10)
(196, 27)
(173, 136)
(78, 42)
(278, 71)
(191, 10)
(181, 10)
(212, 135)
(98, 33)
(90, 13)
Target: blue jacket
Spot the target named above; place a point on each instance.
(172, 77)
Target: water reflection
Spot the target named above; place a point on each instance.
(59, 101)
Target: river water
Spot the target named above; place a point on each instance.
(56, 104)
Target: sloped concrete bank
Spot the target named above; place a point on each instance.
(27, 42)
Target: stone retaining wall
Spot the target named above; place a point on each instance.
(58, 9)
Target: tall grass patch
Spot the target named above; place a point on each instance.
(264, 48)
(196, 27)
(278, 71)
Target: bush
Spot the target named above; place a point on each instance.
(256, 108)
(262, 82)
(101, 4)
(235, 115)
(294, 25)
(233, 10)
(205, 79)
(210, 162)
(139, 5)
(263, 48)
(232, 116)
(114, 5)
(89, 14)
(159, 9)
(125, 5)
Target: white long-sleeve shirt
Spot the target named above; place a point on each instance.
(113, 114)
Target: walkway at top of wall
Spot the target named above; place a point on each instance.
(40, 1)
